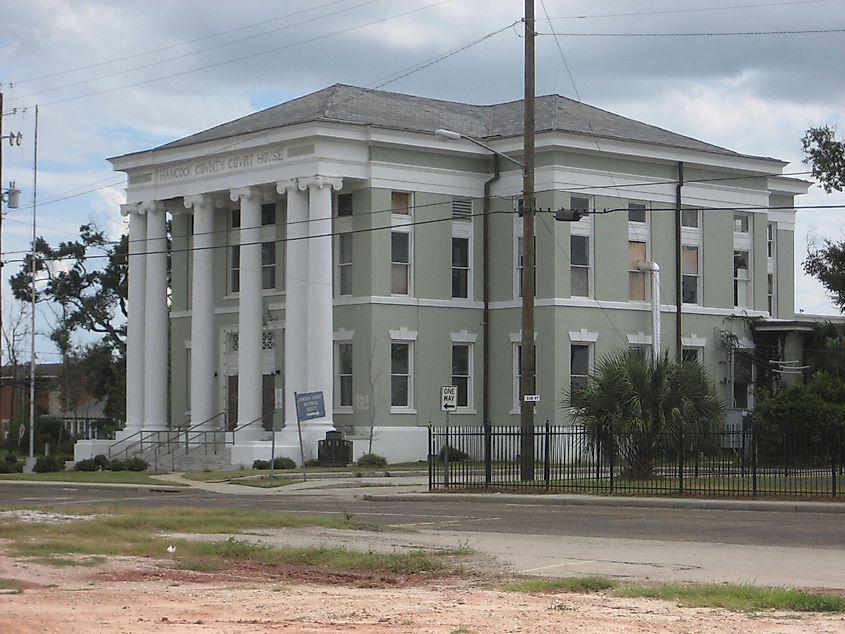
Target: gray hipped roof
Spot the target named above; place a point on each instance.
(361, 106)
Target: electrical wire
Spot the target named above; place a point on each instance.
(706, 34)
(691, 10)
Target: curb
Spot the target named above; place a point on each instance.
(155, 488)
(772, 506)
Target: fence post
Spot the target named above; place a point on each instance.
(446, 460)
(754, 461)
(681, 461)
(546, 466)
(834, 455)
(611, 454)
(488, 459)
(430, 458)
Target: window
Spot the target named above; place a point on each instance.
(742, 378)
(400, 203)
(461, 372)
(636, 277)
(344, 264)
(636, 212)
(401, 378)
(344, 205)
(236, 218)
(741, 223)
(579, 203)
(235, 269)
(641, 350)
(520, 265)
(689, 218)
(770, 293)
(343, 387)
(460, 267)
(400, 263)
(742, 279)
(691, 354)
(579, 365)
(771, 232)
(268, 265)
(268, 214)
(689, 278)
(517, 376)
(579, 248)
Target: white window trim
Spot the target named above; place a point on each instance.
(640, 231)
(463, 229)
(694, 341)
(639, 339)
(400, 218)
(342, 227)
(341, 409)
(583, 336)
(591, 351)
(517, 235)
(749, 281)
(470, 406)
(646, 300)
(410, 408)
(586, 233)
(406, 229)
(403, 334)
(343, 335)
(699, 285)
(463, 336)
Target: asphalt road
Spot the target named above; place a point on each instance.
(785, 529)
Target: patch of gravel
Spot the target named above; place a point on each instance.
(41, 516)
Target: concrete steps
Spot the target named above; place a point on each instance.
(193, 460)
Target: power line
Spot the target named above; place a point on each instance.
(250, 56)
(690, 10)
(176, 45)
(707, 34)
(197, 52)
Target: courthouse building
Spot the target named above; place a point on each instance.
(334, 243)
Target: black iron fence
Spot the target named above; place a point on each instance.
(735, 463)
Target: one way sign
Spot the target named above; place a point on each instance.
(449, 398)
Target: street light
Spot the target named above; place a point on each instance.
(451, 135)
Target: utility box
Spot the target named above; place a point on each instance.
(334, 451)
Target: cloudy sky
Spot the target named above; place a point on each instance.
(114, 77)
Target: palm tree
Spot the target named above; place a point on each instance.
(632, 405)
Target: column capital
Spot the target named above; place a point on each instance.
(150, 206)
(244, 193)
(283, 187)
(127, 208)
(318, 182)
(197, 200)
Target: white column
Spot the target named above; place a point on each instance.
(203, 362)
(320, 375)
(155, 320)
(250, 310)
(135, 322)
(296, 295)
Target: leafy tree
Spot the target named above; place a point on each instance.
(827, 265)
(637, 406)
(827, 157)
(90, 295)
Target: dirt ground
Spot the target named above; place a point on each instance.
(127, 595)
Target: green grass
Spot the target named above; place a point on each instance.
(99, 477)
(739, 598)
(567, 584)
(265, 482)
(228, 474)
(11, 585)
(65, 562)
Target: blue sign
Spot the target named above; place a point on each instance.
(310, 405)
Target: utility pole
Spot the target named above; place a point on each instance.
(527, 356)
(679, 266)
(31, 462)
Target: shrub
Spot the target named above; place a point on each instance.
(48, 464)
(89, 464)
(312, 462)
(283, 463)
(117, 465)
(137, 464)
(11, 458)
(261, 464)
(101, 461)
(372, 460)
(455, 455)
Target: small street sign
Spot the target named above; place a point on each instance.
(449, 398)
(310, 405)
(531, 398)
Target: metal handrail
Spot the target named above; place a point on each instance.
(140, 442)
(245, 425)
